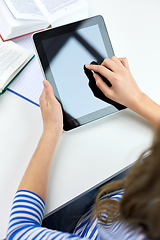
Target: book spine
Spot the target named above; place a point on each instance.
(20, 35)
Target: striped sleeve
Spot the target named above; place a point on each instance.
(26, 218)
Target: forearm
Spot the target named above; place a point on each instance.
(36, 175)
(147, 108)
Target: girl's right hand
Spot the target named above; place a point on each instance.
(124, 89)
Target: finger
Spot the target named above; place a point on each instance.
(102, 85)
(117, 61)
(110, 64)
(124, 62)
(102, 70)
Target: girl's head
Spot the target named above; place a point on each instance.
(140, 203)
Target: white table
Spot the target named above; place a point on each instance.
(89, 154)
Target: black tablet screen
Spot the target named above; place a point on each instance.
(67, 55)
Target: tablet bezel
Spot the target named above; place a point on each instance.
(71, 123)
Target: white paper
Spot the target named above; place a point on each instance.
(25, 9)
(44, 9)
(29, 83)
(9, 60)
(55, 5)
(58, 9)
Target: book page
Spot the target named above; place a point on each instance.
(11, 58)
(25, 9)
(57, 9)
(56, 5)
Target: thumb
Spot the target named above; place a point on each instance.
(49, 95)
(47, 86)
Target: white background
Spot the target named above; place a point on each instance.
(92, 153)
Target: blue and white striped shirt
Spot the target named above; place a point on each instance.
(27, 214)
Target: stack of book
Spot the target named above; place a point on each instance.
(19, 17)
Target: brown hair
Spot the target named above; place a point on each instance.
(140, 202)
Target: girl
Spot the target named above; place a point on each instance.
(131, 214)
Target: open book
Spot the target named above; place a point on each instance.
(13, 59)
(20, 17)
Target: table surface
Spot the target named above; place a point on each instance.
(89, 154)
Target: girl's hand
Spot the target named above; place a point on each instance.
(51, 110)
(124, 89)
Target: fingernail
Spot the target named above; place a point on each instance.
(45, 83)
(87, 65)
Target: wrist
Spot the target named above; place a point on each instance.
(147, 108)
(52, 132)
(138, 102)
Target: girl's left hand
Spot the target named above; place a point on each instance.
(51, 110)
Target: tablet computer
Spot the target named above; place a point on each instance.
(63, 51)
